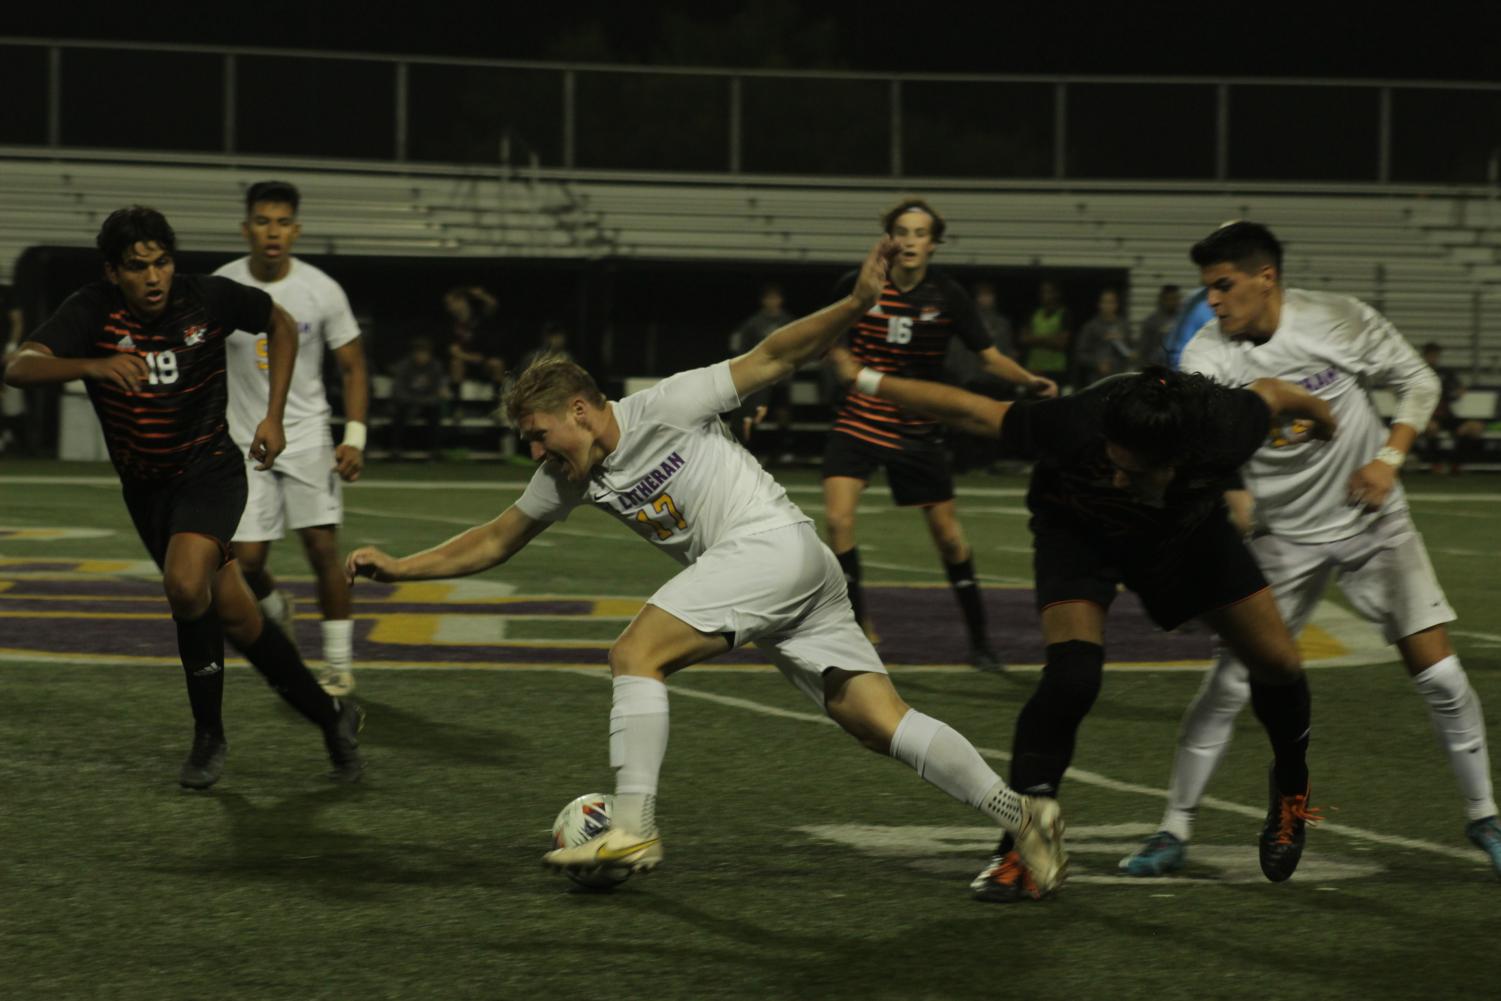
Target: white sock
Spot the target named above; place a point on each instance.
(941, 756)
(1457, 719)
(274, 606)
(338, 643)
(638, 743)
(1203, 738)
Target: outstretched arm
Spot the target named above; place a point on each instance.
(780, 354)
(471, 551)
(958, 408)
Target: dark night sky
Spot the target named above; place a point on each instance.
(1245, 38)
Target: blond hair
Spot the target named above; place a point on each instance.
(547, 385)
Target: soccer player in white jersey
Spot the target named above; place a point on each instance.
(303, 491)
(1324, 511)
(754, 570)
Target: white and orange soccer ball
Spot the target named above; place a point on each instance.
(586, 817)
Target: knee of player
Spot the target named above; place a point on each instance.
(627, 657)
(1278, 667)
(188, 595)
(1074, 671)
(839, 524)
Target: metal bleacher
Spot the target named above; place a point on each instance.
(1428, 260)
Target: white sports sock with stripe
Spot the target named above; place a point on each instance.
(1460, 725)
(638, 744)
(943, 757)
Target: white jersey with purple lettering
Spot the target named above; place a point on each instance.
(1335, 347)
(324, 319)
(676, 477)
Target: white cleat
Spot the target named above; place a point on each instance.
(614, 849)
(336, 683)
(1039, 842)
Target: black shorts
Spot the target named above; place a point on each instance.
(917, 472)
(1209, 568)
(205, 499)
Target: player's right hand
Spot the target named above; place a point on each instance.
(367, 561)
(127, 371)
(873, 271)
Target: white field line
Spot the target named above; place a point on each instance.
(1104, 782)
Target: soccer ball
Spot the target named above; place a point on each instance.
(585, 818)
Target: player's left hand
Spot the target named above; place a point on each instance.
(348, 462)
(1370, 484)
(269, 442)
(843, 363)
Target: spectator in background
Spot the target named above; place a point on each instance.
(418, 392)
(474, 340)
(1157, 328)
(1048, 334)
(776, 399)
(1104, 346)
(1467, 434)
(553, 342)
(995, 321)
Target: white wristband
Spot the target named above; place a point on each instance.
(1394, 457)
(354, 435)
(868, 381)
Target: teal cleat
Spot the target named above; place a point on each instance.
(1163, 853)
(1486, 833)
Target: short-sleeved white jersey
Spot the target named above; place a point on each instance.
(676, 477)
(324, 320)
(1335, 347)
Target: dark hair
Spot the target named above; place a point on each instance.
(272, 191)
(1168, 288)
(132, 225)
(914, 203)
(1432, 346)
(1249, 246)
(1162, 415)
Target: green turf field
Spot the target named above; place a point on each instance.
(798, 865)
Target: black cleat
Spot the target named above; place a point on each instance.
(983, 658)
(343, 743)
(205, 761)
(1283, 834)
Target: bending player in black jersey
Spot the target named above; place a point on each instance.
(907, 333)
(150, 346)
(1128, 488)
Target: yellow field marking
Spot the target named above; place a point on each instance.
(1316, 644)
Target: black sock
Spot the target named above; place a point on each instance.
(281, 665)
(967, 592)
(200, 644)
(1285, 712)
(1047, 725)
(850, 563)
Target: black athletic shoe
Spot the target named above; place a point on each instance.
(983, 658)
(343, 743)
(1282, 835)
(205, 761)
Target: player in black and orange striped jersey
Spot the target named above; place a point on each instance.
(907, 333)
(149, 345)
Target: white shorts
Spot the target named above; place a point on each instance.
(302, 490)
(782, 590)
(1384, 572)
